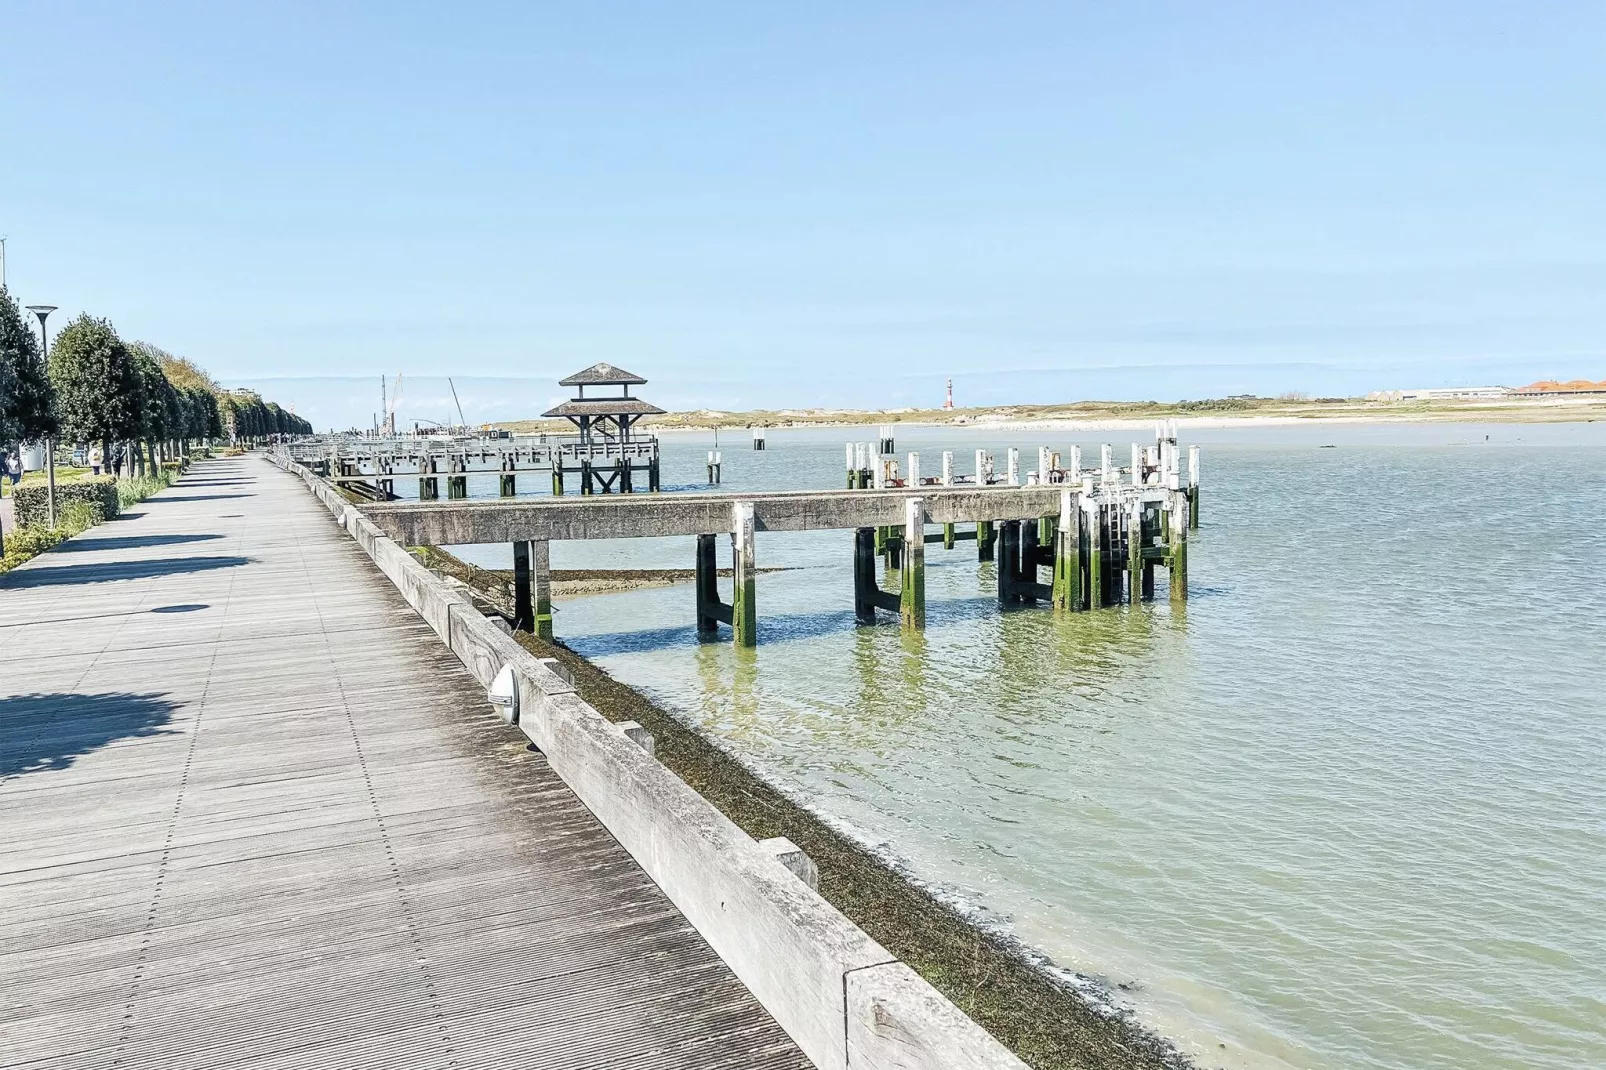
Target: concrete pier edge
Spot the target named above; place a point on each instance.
(842, 997)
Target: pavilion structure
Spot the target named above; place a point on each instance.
(610, 451)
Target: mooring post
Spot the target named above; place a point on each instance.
(557, 476)
(864, 581)
(947, 468)
(948, 536)
(1013, 471)
(1074, 472)
(1193, 486)
(1107, 468)
(912, 479)
(508, 487)
(707, 585)
(1068, 555)
(853, 476)
(456, 483)
(1044, 464)
(986, 536)
(744, 595)
(984, 468)
(912, 601)
(523, 607)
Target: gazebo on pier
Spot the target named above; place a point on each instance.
(610, 417)
(608, 453)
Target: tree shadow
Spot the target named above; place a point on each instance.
(42, 733)
(198, 497)
(107, 571)
(83, 544)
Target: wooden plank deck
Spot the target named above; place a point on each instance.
(254, 814)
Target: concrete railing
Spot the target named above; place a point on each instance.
(842, 997)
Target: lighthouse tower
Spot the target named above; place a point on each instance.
(950, 402)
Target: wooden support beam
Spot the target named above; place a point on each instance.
(1093, 517)
(912, 608)
(508, 486)
(744, 596)
(986, 536)
(541, 576)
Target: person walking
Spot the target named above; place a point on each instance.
(96, 459)
(14, 469)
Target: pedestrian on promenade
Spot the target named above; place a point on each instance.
(14, 469)
(96, 459)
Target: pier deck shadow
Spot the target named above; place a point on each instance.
(281, 828)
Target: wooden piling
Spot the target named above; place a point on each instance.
(864, 579)
(948, 536)
(986, 538)
(1134, 554)
(707, 585)
(1067, 582)
(508, 486)
(541, 577)
(1008, 560)
(523, 606)
(912, 601)
(1097, 583)
(1177, 553)
(1025, 563)
(744, 596)
(1193, 489)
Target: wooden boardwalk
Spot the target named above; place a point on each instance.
(254, 814)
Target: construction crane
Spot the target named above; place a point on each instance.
(462, 423)
(390, 409)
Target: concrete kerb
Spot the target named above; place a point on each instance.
(839, 994)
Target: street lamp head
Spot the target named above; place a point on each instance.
(41, 310)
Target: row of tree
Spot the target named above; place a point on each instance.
(96, 389)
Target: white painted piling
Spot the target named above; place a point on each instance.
(1013, 471)
(913, 478)
(947, 468)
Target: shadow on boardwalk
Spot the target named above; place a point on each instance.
(84, 544)
(105, 572)
(44, 732)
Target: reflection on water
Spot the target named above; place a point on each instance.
(1343, 809)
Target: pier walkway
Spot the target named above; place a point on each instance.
(255, 814)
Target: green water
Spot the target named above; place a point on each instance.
(1346, 809)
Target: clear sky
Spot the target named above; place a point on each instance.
(763, 204)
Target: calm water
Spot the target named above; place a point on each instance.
(1346, 809)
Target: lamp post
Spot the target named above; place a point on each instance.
(40, 312)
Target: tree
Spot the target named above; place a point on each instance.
(27, 399)
(100, 393)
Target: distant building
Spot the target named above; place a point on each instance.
(610, 417)
(1461, 393)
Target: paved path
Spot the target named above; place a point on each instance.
(254, 814)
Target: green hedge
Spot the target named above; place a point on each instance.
(33, 506)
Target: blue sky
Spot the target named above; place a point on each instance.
(836, 204)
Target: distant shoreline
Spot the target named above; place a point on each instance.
(1123, 416)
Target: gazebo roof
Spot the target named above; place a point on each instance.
(605, 407)
(601, 373)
